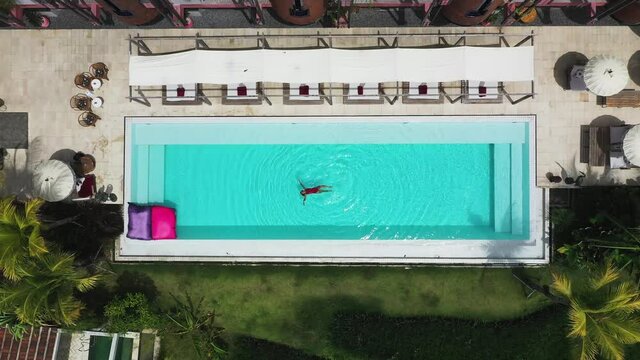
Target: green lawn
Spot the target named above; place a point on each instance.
(297, 306)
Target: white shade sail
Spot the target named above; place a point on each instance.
(333, 65)
(53, 180)
(631, 145)
(605, 75)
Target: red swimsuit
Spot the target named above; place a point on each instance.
(313, 190)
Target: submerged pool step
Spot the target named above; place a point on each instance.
(517, 200)
(149, 185)
(502, 188)
(140, 189)
(156, 174)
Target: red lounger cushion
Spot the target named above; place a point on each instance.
(304, 89)
(423, 89)
(242, 90)
(482, 90)
(88, 187)
(163, 223)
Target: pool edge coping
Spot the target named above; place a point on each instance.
(538, 203)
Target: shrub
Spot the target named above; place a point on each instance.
(191, 320)
(131, 313)
(85, 228)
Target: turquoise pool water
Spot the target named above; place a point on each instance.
(389, 181)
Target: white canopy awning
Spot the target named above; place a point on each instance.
(333, 65)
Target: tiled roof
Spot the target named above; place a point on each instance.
(37, 344)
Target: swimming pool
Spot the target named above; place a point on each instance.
(394, 180)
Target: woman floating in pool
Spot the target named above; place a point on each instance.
(314, 190)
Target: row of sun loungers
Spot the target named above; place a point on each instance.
(354, 93)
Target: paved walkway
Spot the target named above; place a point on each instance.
(38, 68)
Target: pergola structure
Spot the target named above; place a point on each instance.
(142, 46)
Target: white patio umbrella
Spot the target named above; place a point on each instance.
(631, 145)
(605, 75)
(53, 180)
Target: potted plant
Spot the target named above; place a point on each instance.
(528, 15)
(338, 15)
(496, 17)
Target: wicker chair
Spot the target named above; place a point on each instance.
(87, 119)
(83, 81)
(81, 102)
(99, 70)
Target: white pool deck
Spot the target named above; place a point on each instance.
(38, 68)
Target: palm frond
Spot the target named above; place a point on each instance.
(31, 208)
(578, 323)
(608, 275)
(20, 221)
(610, 348)
(7, 210)
(66, 311)
(624, 298)
(561, 284)
(36, 243)
(625, 329)
(87, 283)
(588, 350)
(47, 295)
(58, 262)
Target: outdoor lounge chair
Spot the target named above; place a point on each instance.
(83, 81)
(362, 93)
(302, 93)
(242, 93)
(422, 92)
(617, 160)
(482, 92)
(100, 71)
(80, 102)
(183, 94)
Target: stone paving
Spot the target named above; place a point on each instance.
(37, 70)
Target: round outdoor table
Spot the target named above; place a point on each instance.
(97, 102)
(96, 84)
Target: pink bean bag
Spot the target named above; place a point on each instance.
(163, 223)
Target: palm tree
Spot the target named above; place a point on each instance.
(603, 312)
(20, 238)
(47, 293)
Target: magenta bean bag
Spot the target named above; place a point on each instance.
(163, 223)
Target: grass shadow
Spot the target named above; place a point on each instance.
(136, 282)
(315, 313)
(369, 335)
(250, 348)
